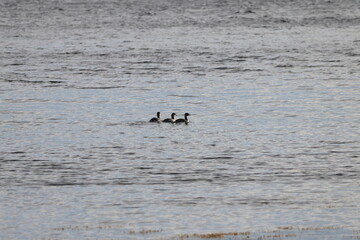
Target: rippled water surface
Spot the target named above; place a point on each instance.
(273, 140)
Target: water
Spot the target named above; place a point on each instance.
(274, 96)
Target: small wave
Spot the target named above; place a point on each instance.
(352, 54)
(14, 64)
(183, 96)
(70, 53)
(253, 70)
(220, 157)
(338, 142)
(139, 123)
(34, 81)
(284, 66)
(17, 152)
(98, 87)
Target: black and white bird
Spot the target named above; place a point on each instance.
(156, 119)
(172, 119)
(183, 120)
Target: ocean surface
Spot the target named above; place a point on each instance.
(272, 150)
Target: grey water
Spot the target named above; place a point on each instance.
(273, 89)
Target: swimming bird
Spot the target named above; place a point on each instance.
(183, 120)
(156, 119)
(172, 119)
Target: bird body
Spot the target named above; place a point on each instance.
(172, 119)
(183, 120)
(156, 119)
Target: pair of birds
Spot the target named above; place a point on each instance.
(172, 119)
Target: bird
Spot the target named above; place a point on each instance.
(183, 120)
(172, 119)
(156, 119)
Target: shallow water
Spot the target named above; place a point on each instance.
(274, 96)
